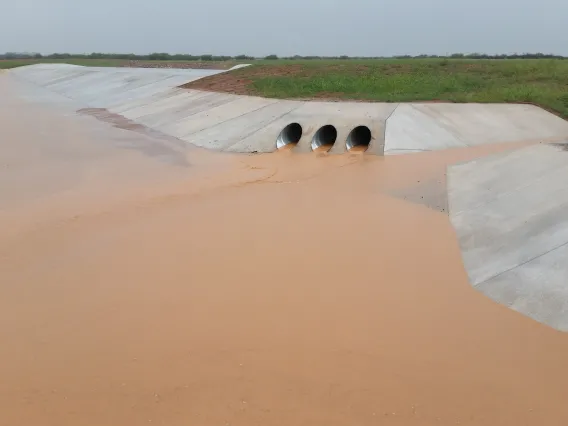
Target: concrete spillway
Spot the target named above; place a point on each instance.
(226, 122)
(509, 210)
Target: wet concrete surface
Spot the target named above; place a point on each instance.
(277, 289)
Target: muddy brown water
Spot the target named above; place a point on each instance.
(282, 289)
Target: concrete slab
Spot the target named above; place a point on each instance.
(73, 74)
(233, 107)
(163, 101)
(428, 127)
(510, 215)
(178, 105)
(239, 131)
(100, 87)
(174, 120)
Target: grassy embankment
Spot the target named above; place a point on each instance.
(539, 81)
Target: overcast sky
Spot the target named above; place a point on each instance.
(285, 27)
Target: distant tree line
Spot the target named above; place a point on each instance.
(219, 58)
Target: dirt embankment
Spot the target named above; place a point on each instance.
(239, 82)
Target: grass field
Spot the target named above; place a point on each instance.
(539, 81)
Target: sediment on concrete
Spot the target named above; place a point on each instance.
(226, 122)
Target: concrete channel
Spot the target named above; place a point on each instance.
(226, 122)
(508, 210)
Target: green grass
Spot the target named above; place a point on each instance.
(541, 82)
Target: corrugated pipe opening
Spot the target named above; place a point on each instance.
(359, 138)
(324, 138)
(291, 134)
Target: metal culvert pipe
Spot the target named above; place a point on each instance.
(291, 134)
(359, 138)
(324, 137)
